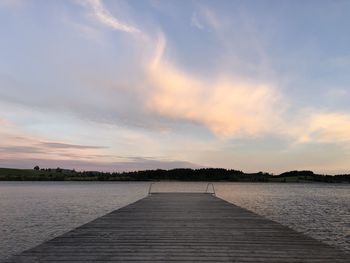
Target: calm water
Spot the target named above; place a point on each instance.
(32, 212)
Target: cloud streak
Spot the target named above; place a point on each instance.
(195, 21)
(21, 150)
(102, 14)
(57, 145)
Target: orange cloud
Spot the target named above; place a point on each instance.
(224, 105)
(326, 127)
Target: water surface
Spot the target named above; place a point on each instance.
(32, 212)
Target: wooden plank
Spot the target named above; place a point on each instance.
(182, 227)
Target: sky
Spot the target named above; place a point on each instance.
(129, 85)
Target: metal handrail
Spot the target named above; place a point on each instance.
(212, 185)
(206, 190)
(150, 188)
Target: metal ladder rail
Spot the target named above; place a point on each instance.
(150, 188)
(213, 188)
(206, 190)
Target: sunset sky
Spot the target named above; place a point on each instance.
(127, 85)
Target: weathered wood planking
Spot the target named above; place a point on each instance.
(182, 227)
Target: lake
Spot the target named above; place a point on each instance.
(33, 212)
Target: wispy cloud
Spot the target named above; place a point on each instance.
(226, 106)
(195, 21)
(57, 145)
(102, 14)
(325, 127)
(21, 149)
(205, 15)
(16, 143)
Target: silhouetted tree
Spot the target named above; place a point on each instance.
(181, 174)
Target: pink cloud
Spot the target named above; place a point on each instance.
(226, 106)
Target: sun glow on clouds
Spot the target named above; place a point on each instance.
(140, 95)
(330, 127)
(226, 106)
(19, 147)
(18, 144)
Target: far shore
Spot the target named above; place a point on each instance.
(180, 174)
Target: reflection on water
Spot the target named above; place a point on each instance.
(32, 212)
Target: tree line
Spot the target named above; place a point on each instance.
(180, 174)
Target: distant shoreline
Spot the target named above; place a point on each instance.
(181, 174)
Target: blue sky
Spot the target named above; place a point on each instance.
(125, 85)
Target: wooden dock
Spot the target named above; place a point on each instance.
(182, 227)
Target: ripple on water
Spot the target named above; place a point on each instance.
(321, 211)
